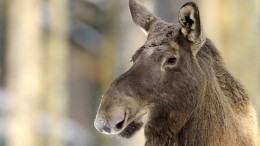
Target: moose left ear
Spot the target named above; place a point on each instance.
(189, 19)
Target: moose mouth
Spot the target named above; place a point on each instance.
(131, 129)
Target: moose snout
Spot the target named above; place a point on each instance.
(102, 126)
(109, 126)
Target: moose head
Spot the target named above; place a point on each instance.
(178, 89)
(165, 76)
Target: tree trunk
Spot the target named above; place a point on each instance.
(56, 71)
(24, 68)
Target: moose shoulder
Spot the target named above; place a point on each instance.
(178, 89)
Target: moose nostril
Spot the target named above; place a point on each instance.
(120, 125)
(120, 120)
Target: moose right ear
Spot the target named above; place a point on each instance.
(141, 16)
(189, 19)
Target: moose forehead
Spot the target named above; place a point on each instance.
(157, 39)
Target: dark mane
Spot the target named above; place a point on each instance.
(229, 85)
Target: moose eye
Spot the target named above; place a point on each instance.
(171, 60)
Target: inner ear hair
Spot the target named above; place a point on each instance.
(189, 19)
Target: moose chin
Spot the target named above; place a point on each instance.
(178, 89)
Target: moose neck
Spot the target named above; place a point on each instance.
(230, 87)
(206, 125)
(224, 96)
(208, 122)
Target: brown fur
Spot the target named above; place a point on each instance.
(193, 101)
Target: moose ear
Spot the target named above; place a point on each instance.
(189, 19)
(141, 16)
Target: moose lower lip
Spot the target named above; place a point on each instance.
(127, 123)
(131, 129)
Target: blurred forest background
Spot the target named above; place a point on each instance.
(58, 56)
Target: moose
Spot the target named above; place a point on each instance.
(178, 89)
